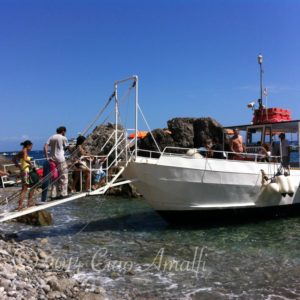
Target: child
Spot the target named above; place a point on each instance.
(99, 175)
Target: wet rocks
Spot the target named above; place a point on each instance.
(27, 271)
(38, 218)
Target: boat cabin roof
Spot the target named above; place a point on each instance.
(287, 126)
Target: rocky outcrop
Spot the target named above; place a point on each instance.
(186, 133)
(101, 141)
(162, 137)
(208, 128)
(182, 131)
(97, 139)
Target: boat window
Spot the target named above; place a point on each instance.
(254, 136)
(268, 135)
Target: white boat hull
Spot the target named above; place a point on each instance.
(186, 184)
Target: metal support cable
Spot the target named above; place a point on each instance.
(98, 115)
(149, 128)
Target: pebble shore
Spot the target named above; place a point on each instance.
(27, 272)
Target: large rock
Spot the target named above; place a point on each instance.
(38, 218)
(182, 130)
(207, 128)
(185, 133)
(101, 138)
(162, 137)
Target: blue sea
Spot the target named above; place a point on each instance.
(37, 154)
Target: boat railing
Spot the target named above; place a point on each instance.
(91, 162)
(220, 154)
(148, 153)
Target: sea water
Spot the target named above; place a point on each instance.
(36, 154)
(124, 246)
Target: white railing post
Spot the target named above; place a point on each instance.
(116, 122)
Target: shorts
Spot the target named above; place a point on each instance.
(25, 177)
(98, 177)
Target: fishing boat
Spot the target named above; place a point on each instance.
(181, 184)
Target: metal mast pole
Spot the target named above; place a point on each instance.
(136, 113)
(260, 61)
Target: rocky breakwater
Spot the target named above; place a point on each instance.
(28, 270)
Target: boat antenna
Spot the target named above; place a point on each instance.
(260, 61)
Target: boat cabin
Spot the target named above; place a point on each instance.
(254, 136)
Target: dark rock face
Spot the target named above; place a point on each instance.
(207, 128)
(98, 138)
(162, 137)
(186, 133)
(182, 130)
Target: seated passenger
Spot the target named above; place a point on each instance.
(99, 175)
(264, 153)
(209, 148)
(218, 152)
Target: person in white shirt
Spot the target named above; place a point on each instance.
(284, 150)
(58, 143)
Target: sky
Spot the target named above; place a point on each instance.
(60, 59)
